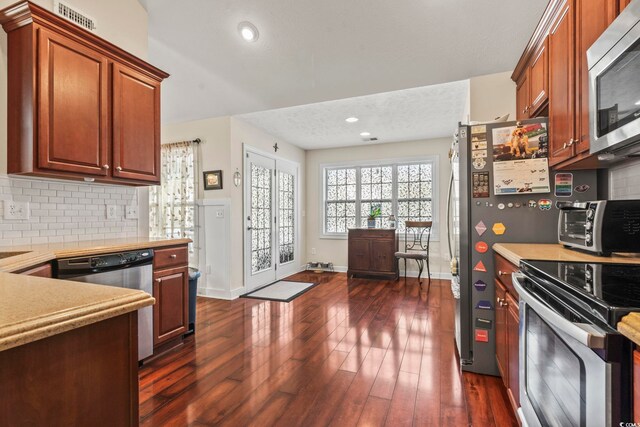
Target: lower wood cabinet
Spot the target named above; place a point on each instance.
(43, 270)
(372, 252)
(171, 291)
(507, 329)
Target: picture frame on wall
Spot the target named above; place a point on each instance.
(212, 180)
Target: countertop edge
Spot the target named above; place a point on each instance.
(629, 326)
(510, 256)
(35, 257)
(18, 334)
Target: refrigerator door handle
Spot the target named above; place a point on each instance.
(449, 192)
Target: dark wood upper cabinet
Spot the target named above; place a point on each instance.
(522, 97)
(559, 43)
(78, 106)
(561, 86)
(136, 125)
(73, 106)
(539, 80)
(592, 18)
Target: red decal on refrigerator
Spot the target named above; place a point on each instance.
(482, 335)
(480, 267)
(482, 247)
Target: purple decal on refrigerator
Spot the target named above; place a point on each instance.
(480, 285)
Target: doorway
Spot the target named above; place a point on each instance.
(271, 207)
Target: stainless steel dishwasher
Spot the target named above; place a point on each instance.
(133, 270)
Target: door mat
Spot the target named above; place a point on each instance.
(282, 290)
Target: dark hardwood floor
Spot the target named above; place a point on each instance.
(347, 353)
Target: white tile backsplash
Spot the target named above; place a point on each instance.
(624, 181)
(62, 212)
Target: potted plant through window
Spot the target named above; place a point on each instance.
(375, 212)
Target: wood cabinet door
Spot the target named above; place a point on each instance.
(522, 98)
(136, 125)
(592, 18)
(539, 79)
(636, 386)
(43, 270)
(73, 106)
(513, 339)
(359, 254)
(501, 333)
(623, 4)
(171, 310)
(383, 255)
(561, 86)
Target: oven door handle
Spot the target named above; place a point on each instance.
(586, 334)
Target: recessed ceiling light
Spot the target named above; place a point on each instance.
(351, 119)
(248, 31)
(638, 103)
(365, 133)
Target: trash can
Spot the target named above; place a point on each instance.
(193, 292)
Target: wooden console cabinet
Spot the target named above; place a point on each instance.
(372, 252)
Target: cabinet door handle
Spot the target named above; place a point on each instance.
(571, 142)
(106, 167)
(564, 146)
(502, 273)
(158, 280)
(173, 256)
(118, 168)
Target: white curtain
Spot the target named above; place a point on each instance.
(172, 205)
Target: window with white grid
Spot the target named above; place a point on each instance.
(402, 188)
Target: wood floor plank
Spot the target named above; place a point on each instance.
(348, 352)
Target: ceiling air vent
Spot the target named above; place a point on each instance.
(74, 15)
(370, 139)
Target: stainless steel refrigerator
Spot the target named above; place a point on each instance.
(498, 194)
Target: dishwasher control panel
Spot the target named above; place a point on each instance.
(104, 262)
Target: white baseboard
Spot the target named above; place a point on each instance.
(220, 294)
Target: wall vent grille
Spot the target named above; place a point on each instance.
(74, 15)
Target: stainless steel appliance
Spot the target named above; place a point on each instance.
(601, 226)
(133, 270)
(614, 92)
(470, 226)
(575, 368)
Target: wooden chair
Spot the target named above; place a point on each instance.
(417, 235)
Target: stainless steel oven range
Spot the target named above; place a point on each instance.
(575, 368)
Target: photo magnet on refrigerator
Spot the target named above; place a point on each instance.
(483, 323)
(564, 185)
(480, 267)
(480, 228)
(480, 286)
(482, 335)
(484, 305)
(482, 247)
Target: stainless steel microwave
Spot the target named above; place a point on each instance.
(614, 85)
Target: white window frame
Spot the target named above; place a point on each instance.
(395, 162)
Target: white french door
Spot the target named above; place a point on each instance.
(271, 219)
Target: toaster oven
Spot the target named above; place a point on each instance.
(601, 226)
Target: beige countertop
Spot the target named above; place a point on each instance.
(38, 254)
(516, 252)
(32, 308)
(629, 326)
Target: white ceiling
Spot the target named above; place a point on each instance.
(319, 50)
(404, 115)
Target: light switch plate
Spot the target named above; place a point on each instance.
(220, 213)
(16, 210)
(112, 212)
(131, 212)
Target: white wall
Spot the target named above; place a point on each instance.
(335, 250)
(492, 96)
(222, 148)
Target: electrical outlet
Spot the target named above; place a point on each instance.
(112, 212)
(313, 251)
(16, 210)
(131, 212)
(219, 213)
